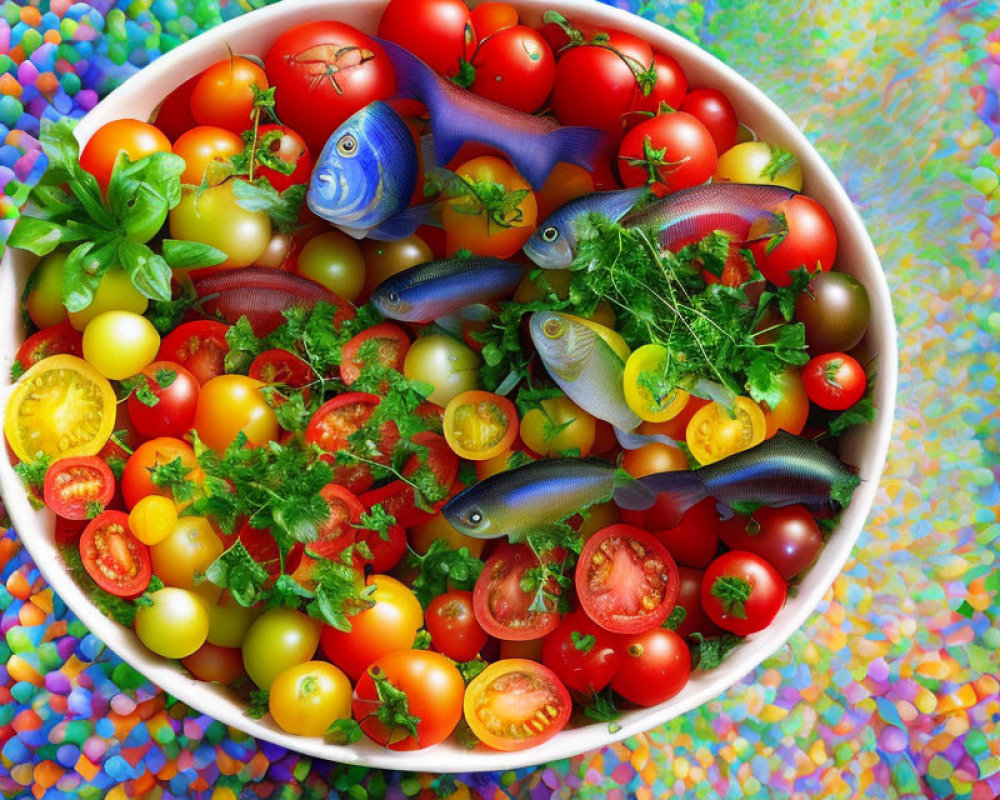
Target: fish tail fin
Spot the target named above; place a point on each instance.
(575, 145)
(405, 223)
(633, 441)
(674, 493)
(414, 79)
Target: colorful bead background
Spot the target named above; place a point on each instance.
(891, 688)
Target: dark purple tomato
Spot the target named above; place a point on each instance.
(786, 538)
(835, 312)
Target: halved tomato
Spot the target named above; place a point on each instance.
(480, 425)
(281, 367)
(62, 339)
(503, 606)
(391, 344)
(333, 424)
(61, 407)
(713, 434)
(337, 532)
(626, 580)
(117, 561)
(73, 486)
(263, 548)
(516, 704)
(200, 347)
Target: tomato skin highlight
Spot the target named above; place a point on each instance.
(117, 561)
(763, 592)
(626, 580)
(653, 666)
(583, 666)
(71, 484)
(714, 110)
(492, 16)
(515, 704)
(439, 32)
(834, 381)
(502, 605)
(223, 95)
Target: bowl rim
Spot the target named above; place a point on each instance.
(190, 57)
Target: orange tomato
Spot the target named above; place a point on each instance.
(566, 182)
(137, 480)
(137, 139)
(653, 458)
(487, 229)
(223, 95)
(229, 404)
(792, 411)
(202, 146)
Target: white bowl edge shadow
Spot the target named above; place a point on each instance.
(864, 447)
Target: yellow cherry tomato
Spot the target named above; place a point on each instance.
(558, 426)
(153, 519)
(479, 425)
(334, 260)
(229, 404)
(119, 344)
(115, 292)
(761, 163)
(60, 407)
(45, 298)
(228, 621)
(646, 391)
(712, 434)
(279, 639)
(385, 259)
(308, 698)
(446, 364)
(214, 216)
(174, 625)
(187, 551)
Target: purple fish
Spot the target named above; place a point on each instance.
(533, 144)
(691, 214)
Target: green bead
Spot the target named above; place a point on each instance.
(78, 731)
(71, 83)
(31, 40)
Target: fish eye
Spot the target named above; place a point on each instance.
(347, 145)
(553, 328)
(393, 297)
(475, 517)
(550, 234)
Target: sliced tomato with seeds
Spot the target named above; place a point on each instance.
(200, 347)
(626, 580)
(263, 548)
(336, 534)
(52, 341)
(503, 606)
(117, 561)
(390, 345)
(515, 704)
(331, 427)
(281, 367)
(75, 486)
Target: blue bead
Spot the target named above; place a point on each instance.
(91, 647)
(67, 754)
(28, 124)
(16, 750)
(119, 769)
(105, 727)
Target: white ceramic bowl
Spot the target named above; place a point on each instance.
(865, 447)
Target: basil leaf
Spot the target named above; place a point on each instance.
(79, 283)
(148, 271)
(35, 235)
(60, 147)
(84, 186)
(54, 202)
(283, 208)
(181, 255)
(142, 192)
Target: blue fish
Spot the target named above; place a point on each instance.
(533, 144)
(437, 289)
(553, 245)
(365, 176)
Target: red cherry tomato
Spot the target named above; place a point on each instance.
(137, 480)
(653, 666)
(695, 541)
(451, 622)
(805, 239)
(492, 16)
(626, 580)
(386, 552)
(439, 32)
(581, 653)
(742, 593)
(117, 561)
(263, 548)
(200, 347)
(392, 344)
(176, 393)
(74, 484)
(787, 538)
(223, 95)
(515, 67)
(286, 145)
(595, 86)
(669, 152)
(324, 72)
(336, 533)
(502, 604)
(695, 619)
(173, 117)
(668, 89)
(51, 341)
(716, 113)
(282, 368)
(834, 381)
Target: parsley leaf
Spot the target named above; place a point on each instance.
(676, 618)
(259, 703)
(470, 669)
(583, 643)
(441, 567)
(344, 731)
(377, 519)
(710, 652)
(238, 571)
(601, 708)
(340, 593)
(117, 608)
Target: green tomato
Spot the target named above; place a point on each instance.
(118, 344)
(279, 639)
(115, 292)
(445, 363)
(45, 299)
(215, 218)
(334, 260)
(175, 625)
(748, 161)
(228, 622)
